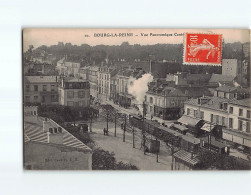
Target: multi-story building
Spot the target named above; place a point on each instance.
(41, 89)
(238, 127)
(74, 92)
(83, 73)
(122, 96)
(227, 112)
(236, 68)
(104, 80)
(165, 102)
(92, 76)
(113, 89)
(68, 67)
(48, 146)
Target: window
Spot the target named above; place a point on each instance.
(35, 87)
(225, 94)
(223, 121)
(27, 88)
(240, 112)
(217, 119)
(195, 113)
(81, 103)
(201, 114)
(230, 123)
(81, 94)
(151, 100)
(27, 98)
(43, 98)
(240, 125)
(248, 113)
(231, 110)
(35, 98)
(52, 87)
(70, 94)
(44, 87)
(188, 111)
(212, 118)
(54, 98)
(248, 127)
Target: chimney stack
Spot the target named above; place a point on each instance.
(46, 125)
(55, 135)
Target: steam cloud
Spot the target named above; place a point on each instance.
(138, 88)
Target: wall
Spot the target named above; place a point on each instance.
(30, 114)
(42, 156)
(31, 93)
(76, 99)
(235, 116)
(230, 67)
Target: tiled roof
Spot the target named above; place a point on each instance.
(40, 79)
(186, 157)
(215, 78)
(212, 103)
(243, 102)
(226, 88)
(34, 132)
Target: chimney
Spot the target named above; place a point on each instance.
(45, 125)
(55, 135)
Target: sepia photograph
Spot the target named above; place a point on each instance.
(136, 99)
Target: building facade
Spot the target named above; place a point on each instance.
(165, 102)
(74, 92)
(92, 77)
(104, 80)
(41, 89)
(228, 109)
(48, 146)
(68, 67)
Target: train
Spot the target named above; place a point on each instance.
(175, 137)
(154, 128)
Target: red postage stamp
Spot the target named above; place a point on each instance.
(202, 49)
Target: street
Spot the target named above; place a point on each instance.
(125, 152)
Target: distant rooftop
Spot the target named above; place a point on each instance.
(215, 78)
(41, 79)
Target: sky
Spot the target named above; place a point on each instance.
(43, 36)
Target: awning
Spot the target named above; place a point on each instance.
(207, 127)
(186, 120)
(186, 157)
(180, 127)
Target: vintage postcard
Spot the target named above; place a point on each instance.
(136, 99)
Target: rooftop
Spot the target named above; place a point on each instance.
(40, 79)
(186, 157)
(243, 102)
(216, 78)
(211, 103)
(227, 88)
(34, 132)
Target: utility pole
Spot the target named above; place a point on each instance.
(91, 123)
(115, 124)
(143, 129)
(157, 152)
(133, 144)
(107, 121)
(124, 129)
